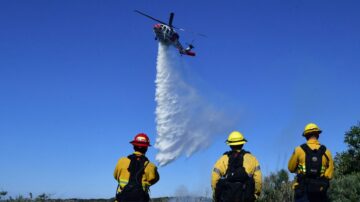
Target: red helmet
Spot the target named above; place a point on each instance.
(141, 140)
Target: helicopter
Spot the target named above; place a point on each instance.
(165, 33)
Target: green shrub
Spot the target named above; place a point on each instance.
(277, 187)
(345, 188)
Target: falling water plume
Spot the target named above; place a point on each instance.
(185, 122)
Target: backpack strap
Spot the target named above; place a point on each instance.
(305, 148)
(322, 149)
(326, 156)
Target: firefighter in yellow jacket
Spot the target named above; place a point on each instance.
(314, 166)
(236, 176)
(135, 173)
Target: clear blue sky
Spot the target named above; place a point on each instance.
(77, 83)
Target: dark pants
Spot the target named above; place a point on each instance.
(311, 189)
(136, 196)
(303, 196)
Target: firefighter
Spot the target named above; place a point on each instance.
(314, 166)
(135, 173)
(236, 176)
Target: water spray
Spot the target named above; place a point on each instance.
(185, 122)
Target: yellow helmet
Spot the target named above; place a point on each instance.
(311, 128)
(235, 138)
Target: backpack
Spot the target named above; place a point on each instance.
(133, 190)
(313, 165)
(236, 185)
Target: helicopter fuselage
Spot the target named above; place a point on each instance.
(166, 34)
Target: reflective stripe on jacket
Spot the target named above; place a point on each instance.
(297, 160)
(122, 175)
(250, 164)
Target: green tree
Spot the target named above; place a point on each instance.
(345, 188)
(346, 183)
(348, 162)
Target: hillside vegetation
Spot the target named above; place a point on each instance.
(345, 187)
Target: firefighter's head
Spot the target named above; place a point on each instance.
(141, 143)
(236, 140)
(311, 130)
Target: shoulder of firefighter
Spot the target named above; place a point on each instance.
(251, 165)
(122, 175)
(297, 160)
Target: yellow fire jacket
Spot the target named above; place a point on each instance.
(297, 160)
(122, 175)
(250, 164)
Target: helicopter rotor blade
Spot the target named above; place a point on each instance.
(141, 13)
(199, 34)
(171, 19)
